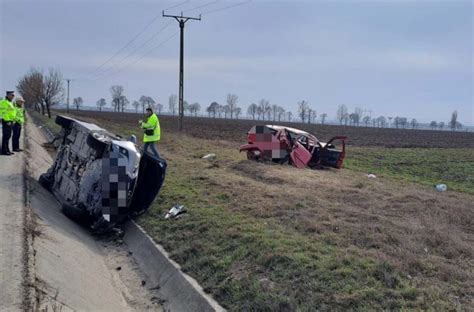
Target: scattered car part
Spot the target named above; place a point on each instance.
(288, 145)
(175, 211)
(209, 156)
(99, 177)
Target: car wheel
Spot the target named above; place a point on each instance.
(64, 122)
(45, 182)
(253, 155)
(98, 142)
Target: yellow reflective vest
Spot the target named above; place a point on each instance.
(152, 124)
(7, 110)
(20, 115)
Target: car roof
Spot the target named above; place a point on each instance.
(297, 131)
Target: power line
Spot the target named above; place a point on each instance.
(140, 58)
(227, 7)
(135, 50)
(202, 6)
(134, 38)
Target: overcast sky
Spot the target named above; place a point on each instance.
(396, 58)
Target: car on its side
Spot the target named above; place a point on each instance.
(101, 178)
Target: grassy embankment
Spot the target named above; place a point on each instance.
(265, 237)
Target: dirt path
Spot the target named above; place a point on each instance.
(69, 268)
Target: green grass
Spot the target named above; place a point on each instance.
(426, 166)
(252, 264)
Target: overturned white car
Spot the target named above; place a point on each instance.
(101, 178)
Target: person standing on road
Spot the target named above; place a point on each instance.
(19, 120)
(152, 132)
(8, 114)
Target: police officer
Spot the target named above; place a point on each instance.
(19, 120)
(152, 132)
(8, 114)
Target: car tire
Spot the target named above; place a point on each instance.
(97, 142)
(45, 182)
(253, 155)
(64, 122)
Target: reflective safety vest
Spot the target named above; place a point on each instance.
(152, 129)
(20, 115)
(7, 110)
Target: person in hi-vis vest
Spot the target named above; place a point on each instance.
(152, 131)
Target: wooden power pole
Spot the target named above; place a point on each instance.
(181, 20)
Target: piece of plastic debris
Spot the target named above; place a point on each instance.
(118, 268)
(441, 187)
(209, 156)
(371, 176)
(175, 211)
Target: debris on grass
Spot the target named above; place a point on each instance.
(175, 211)
(441, 187)
(209, 156)
(371, 176)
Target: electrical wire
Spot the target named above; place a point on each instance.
(136, 49)
(133, 39)
(202, 6)
(141, 57)
(226, 8)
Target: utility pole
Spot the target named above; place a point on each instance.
(181, 20)
(67, 103)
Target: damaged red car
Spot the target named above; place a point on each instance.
(293, 146)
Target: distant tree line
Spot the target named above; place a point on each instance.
(44, 90)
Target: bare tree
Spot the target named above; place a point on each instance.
(323, 117)
(381, 121)
(280, 112)
(194, 108)
(366, 120)
(123, 102)
(53, 90)
(357, 115)
(232, 103)
(185, 107)
(390, 121)
(252, 110)
(30, 86)
(116, 91)
(159, 108)
(238, 111)
(136, 105)
(77, 102)
(226, 110)
(342, 114)
(274, 111)
(172, 103)
(454, 120)
(433, 125)
(143, 100)
(414, 123)
(303, 110)
(289, 114)
(212, 109)
(313, 114)
(441, 125)
(264, 108)
(101, 103)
